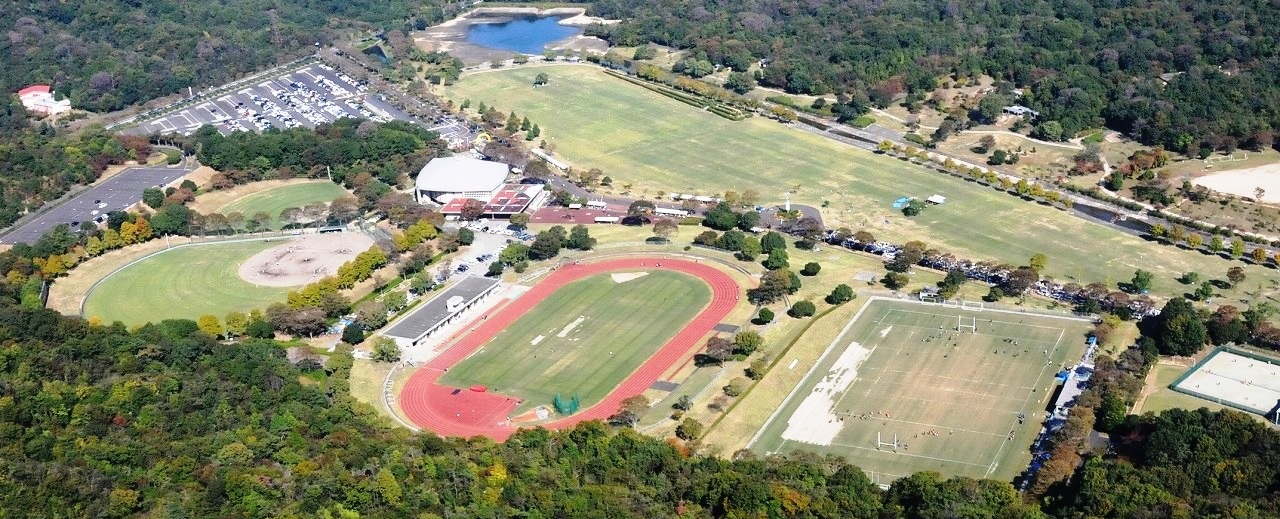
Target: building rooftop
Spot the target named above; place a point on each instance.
(435, 311)
(461, 174)
(34, 89)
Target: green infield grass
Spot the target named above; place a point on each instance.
(277, 199)
(584, 339)
(185, 282)
(657, 144)
(951, 398)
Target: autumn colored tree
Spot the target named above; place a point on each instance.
(209, 325)
(236, 324)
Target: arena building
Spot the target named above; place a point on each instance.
(452, 181)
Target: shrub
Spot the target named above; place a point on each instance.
(841, 294)
(765, 316)
(802, 309)
(260, 330)
(811, 269)
(353, 334)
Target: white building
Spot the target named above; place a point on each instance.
(38, 99)
(446, 178)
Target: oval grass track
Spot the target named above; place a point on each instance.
(427, 403)
(276, 199)
(184, 282)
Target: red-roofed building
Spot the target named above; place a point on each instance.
(39, 99)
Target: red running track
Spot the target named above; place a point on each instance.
(450, 411)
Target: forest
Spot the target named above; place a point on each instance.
(40, 164)
(165, 421)
(1081, 64)
(105, 55)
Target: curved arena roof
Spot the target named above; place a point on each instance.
(461, 174)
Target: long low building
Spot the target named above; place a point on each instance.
(443, 309)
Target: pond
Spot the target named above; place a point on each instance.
(524, 34)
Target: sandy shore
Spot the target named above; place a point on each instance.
(451, 36)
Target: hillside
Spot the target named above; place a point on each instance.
(1082, 64)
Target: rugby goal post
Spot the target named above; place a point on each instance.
(966, 323)
(880, 443)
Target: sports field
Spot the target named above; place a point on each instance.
(277, 199)
(952, 399)
(185, 282)
(658, 144)
(585, 338)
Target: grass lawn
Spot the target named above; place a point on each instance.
(590, 335)
(952, 398)
(1165, 398)
(184, 283)
(659, 144)
(274, 200)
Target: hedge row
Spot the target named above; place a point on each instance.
(715, 107)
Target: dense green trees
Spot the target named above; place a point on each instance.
(1179, 329)
(41, 164)
(106, 55)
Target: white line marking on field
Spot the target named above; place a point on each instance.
(1013, 426)
(900, 453)
(793, 363)
(569, 327)
(537, 339)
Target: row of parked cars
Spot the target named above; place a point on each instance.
(994, 274)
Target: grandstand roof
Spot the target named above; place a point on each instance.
(436, 311)
(461, 174)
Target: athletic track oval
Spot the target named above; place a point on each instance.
(450, 411)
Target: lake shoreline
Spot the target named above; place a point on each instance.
(451, 36)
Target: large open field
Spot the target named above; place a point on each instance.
(585, 338)
(277, 199)
(656, 143)
(952, 399)
(184, 282)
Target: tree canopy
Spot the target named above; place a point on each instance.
(1178, 74)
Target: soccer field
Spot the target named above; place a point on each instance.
(585, 338)
(274, 200)
(182, 283)
(951, 399)
(658, 144)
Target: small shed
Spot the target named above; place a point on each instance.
(936, 199)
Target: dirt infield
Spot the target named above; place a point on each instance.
(303, 260)
(450, 411)
(1244, 182)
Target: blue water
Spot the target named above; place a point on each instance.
(526, 34)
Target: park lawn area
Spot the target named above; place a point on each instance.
(590, 335)
(1165, 398)
(953, 399)
(277, 199)
(658, 144)
(182, 283)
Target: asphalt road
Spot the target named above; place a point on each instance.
(113, 194)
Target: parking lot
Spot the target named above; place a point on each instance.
(306, 97)
(114, 194)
